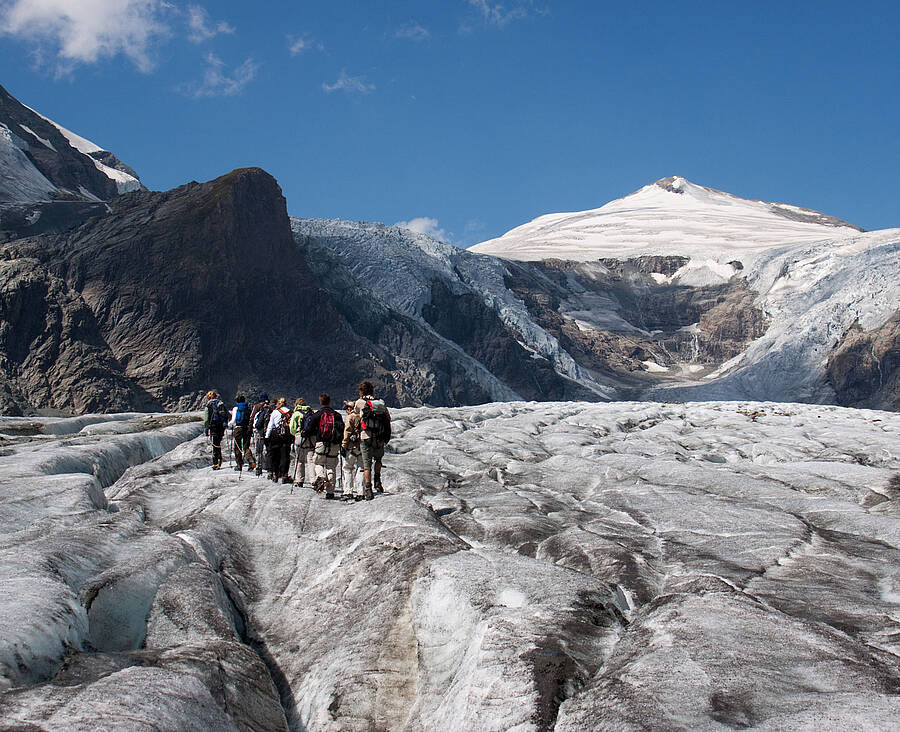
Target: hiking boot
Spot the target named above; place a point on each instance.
(367, 493)
(286, 480)
(378, 488)
(216, 466)
(357, 498)
(329, 496)
(347, 498)
(238, 468)
(258, 472)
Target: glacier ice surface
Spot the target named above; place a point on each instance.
(531, 566)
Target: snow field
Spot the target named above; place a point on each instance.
(684, 220)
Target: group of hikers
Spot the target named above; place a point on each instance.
(266, 434)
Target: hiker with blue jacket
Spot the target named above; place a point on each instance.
(241, 433)
(215, 417)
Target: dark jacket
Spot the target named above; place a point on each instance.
(312, 430)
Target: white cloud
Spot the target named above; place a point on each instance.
(301, 44)
(200, 27)
(84, 31)
(412, 31)
(425, 225)
(350, 84)
(500, 15)
(219, 82)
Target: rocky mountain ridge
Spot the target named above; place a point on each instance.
(144, 300)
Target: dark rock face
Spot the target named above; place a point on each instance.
(166, 296)
(52, 353)
(864, 369)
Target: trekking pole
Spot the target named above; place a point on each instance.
(341, 474)
(230, 446)
(297, 450)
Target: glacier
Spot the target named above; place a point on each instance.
(564, 566)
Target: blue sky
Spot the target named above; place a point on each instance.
(470, 117)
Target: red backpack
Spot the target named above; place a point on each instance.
(331, 427)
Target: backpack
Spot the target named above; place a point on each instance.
(261, 421)
(376, 420)
(331, 427)
(298, 417)
(306, 430)
(283, 428)
(217, 412)
(241, 415)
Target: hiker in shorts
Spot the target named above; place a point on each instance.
(303, 446)
(241, 433)
(214, 421)
(328, 428)
(259, 420)
(375, 431)
(351, 455)
(279, 442)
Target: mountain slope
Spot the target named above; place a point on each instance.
(41, 161)
(669, 217)
(816, 296)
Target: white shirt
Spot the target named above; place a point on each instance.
(275, 419)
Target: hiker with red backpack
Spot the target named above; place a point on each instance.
(279, 442)
(214, 421)
(375, 431)
(241, 433)
(327, 428)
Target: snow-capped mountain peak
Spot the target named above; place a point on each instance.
(41, 161)
(671, 216)
(125, 179)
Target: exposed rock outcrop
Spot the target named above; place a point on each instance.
(165, 296)
(864, 369)
(614, 317)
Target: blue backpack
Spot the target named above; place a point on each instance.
(241, 415)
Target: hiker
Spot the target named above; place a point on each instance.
(375, 431)
(215, 418)
(351, 455)
(279, 442)
(259, 419)
(328, 428)
(241, 433)
(303, 446)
